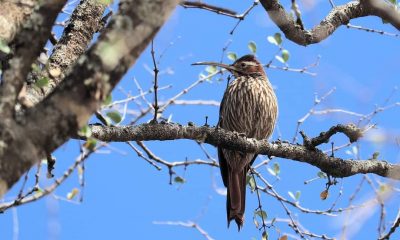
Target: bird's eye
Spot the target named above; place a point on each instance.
(243, 64)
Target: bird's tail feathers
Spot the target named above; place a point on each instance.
(236, 196)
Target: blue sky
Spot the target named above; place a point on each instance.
(124, 195)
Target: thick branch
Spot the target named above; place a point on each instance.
(338, 16)
(12, 15)
(54, 120)
(333, 166)
(28, 43)
(85, 21)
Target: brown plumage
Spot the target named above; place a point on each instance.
(249, 106)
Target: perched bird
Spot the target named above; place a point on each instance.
(249, 106)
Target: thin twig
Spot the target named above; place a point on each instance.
(243, 15)
(393, 228)
(155, 82)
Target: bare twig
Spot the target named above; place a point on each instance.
(156, 107)
(393, 228)
(317, 101)
(209, 7)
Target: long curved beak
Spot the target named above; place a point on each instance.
(226, 66)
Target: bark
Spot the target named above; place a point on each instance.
(53, 121)
(85, 21)
(13, 13)
(333, 166)
(340, 15)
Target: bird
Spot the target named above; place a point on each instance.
(249, 106)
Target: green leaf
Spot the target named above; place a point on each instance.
(264, 235)
(90, 144)
(297, 196)
(272, 40)
(277, 168)
(232, 56)
(261, 213)
(321, 174)
(115, 116)
(251, 182)
(285, 55)
(44, 81)
(108, 100)
(178, 179)
(105, 2)
(252, 46)
(278, 38)
(211, 69)
(35, 68)
(85, 132)
(4, 47)
(375, 155)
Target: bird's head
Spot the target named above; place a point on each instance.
(246, 65)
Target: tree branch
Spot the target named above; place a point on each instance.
(338, 16)
(83, 24)
(333, 166)
(54, 120)
(28, 43)
(12, 15)
(350, 130)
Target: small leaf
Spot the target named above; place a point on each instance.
(211, 69)
(251, 183)
(256, 222)
(44, 81)
(321, 174)
(72, 194)
(178, 179)
(278, 38)
(375, 156)
(284, 237)
(85, 132)
(35, 68)
(90, 144)
(252, 46)
(280, 59)
(108, 100)
(105, 2)
(4, 47)
(264, 235)
(292, 195)
(277, 168)
(324, 194)
(285, 55)
(272, 40)
(232, 56)
(261, 213)
(383, 188)
(297, 196)
(114, 116)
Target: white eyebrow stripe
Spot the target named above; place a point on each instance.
(250, 63)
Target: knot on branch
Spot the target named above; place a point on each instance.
(350, 130)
